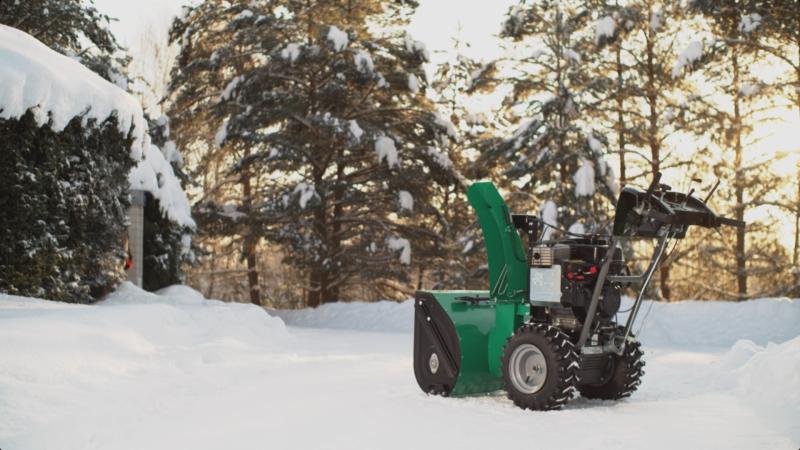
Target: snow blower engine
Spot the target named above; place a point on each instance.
(547, 325)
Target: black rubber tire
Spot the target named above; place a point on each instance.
(624, 377)
(562, 361)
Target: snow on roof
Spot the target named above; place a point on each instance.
(154, 174)
(57, 89)
(51, 85)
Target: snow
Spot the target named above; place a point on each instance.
(413, 83)
(776, 365)
(57, 89)
(584, 179)
(656, 19)
(400, 244)
(604, 27)
(750, 22)
(577, 228)
(226, 93)
(245, 14)
(549, 214)
(355, 130)
(337, 38)
(363, 61)
(594, 143)
(173, 370)
(692, 53)
(572, 55)
(406, 200)
(417, 47)
(519, 134)
(221, 134)
(154, 174)
(448, 126)
(306, 192)
(385, 148)
(749, 89)
(291, 52)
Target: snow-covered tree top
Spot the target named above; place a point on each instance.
(56, 89)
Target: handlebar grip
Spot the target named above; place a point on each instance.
(653, 185)
(731, 222)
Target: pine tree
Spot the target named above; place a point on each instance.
(459, 260)
(74, 28)
(735, 26)
(648, 105)
(554, 154)
(324, 126)
(167, 246)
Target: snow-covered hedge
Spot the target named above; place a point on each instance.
(72, 145)
(63, 200)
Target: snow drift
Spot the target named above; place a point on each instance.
(767, 379)
(688, 323)
(174, 370)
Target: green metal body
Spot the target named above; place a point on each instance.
(484, 327)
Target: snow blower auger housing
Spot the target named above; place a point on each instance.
(546, 326)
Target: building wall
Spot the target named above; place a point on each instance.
(136, 236)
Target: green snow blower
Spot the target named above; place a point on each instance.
(547, 325)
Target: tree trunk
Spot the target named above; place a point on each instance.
(655, 143)
(252, 278)
(796, 235)
(739, 180)
(250, 242)
(314, 290)
(666, 291)
(620, 118)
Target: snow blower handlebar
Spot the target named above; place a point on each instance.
(659, 213)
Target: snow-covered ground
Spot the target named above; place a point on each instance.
(172, 371)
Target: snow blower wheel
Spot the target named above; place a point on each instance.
(540, 367)
(622, 376)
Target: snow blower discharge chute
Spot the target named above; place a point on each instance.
(547, 325)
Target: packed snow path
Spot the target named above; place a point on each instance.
(141, 371)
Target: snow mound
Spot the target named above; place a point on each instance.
(693, 324)
(383, 316)
(130, 331)
(768, 381)
(53, 86)
(717, 324)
